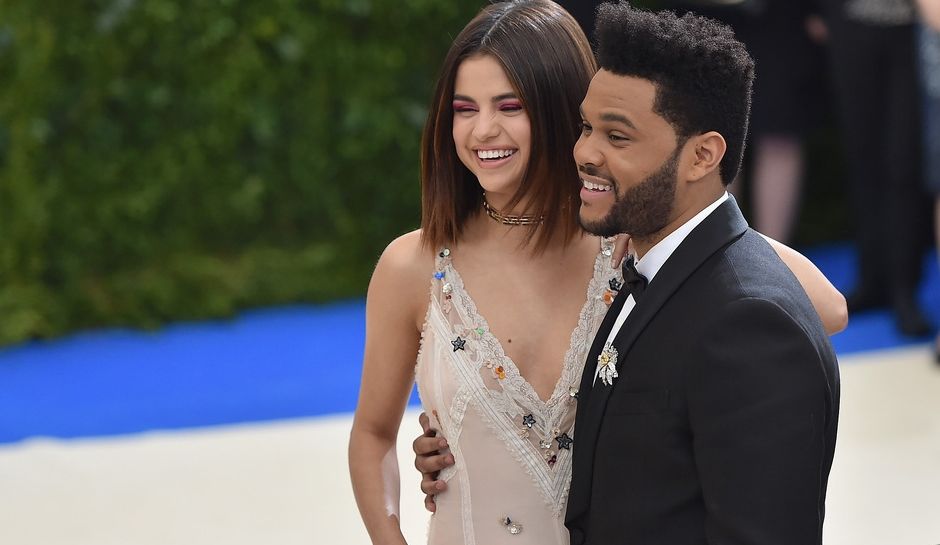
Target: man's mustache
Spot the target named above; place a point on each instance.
(592, 170)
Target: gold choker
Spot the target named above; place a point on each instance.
(511, 219)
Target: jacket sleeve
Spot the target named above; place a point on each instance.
(758, 405)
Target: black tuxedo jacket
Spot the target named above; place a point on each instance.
(721, 426)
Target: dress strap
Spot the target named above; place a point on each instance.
(441, 287)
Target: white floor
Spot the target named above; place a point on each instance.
(287, 482)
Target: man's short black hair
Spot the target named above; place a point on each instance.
(702, 74)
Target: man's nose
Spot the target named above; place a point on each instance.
(586, 153)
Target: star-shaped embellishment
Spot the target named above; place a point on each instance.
(615, 284)
(458, 344)
(528, 420)
(564, 442)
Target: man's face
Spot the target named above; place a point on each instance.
(627, 157)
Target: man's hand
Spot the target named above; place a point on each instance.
(430, 458)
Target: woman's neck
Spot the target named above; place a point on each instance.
(491, 235)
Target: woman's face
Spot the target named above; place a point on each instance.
(492, 133)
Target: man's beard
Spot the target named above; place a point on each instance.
(644, 209)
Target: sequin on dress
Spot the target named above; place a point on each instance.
(512, 449)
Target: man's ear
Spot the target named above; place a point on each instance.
(706, 151)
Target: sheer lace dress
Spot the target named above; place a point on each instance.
(512, 449)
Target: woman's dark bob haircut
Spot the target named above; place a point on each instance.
(549, 63)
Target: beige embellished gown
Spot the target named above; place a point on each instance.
(512, 449)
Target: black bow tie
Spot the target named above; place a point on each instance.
(633, 280)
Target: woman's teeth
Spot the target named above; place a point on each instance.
(495, 153)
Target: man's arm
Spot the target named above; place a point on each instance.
(430, 459)
(758, 406)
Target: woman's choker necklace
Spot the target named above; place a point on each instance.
(511, 219)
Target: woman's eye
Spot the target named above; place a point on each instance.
(617, 138)
(464, 107)
(585, 128)
(510, 107)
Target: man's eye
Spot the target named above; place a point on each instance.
(617, 138)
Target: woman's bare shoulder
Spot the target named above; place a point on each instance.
(407, 258)
(403, 273)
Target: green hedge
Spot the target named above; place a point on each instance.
(183, 159)
(171, 159)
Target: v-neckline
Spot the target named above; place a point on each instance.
(568, 363)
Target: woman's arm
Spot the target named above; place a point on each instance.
(930, 13)
(395, 305)
(829, 303)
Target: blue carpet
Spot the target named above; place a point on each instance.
(278, 363)
(873, 330)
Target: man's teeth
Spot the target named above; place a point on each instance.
(596, 187)
(495, 153)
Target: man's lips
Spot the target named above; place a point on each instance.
(593, 183)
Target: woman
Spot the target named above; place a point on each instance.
(499, 344)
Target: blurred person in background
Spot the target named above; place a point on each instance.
(930, 84)
(782, 37)
(500, 204)
(873, 53)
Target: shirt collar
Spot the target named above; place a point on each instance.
(656, 257)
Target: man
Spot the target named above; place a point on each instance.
(708, 406)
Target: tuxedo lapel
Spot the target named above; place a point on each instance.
(587, 376)
(721, 227)
(580, 490)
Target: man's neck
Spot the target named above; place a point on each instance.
(642, 245)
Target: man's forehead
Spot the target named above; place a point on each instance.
(612, 92)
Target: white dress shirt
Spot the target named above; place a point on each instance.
(650, 263)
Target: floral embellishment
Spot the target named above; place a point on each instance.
(609, 297)
(607, 364)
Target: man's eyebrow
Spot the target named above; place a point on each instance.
(617, 118)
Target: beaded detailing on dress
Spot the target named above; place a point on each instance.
(537, 433)
(512, 449)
